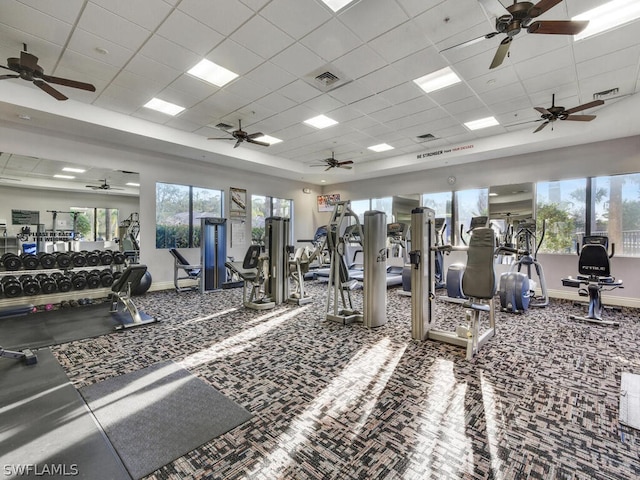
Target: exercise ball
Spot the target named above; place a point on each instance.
(143, 286)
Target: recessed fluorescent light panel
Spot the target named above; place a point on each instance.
(608, 16)
(336, 5)
(320, 121)
(383, 147)
(212, 73)
(132, 184)
(68, 177)
(437, 80)
(164, 107)
(73, 170)
(482, 123)
(268, 139)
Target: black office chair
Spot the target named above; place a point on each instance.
(192, 272)
(594, 272)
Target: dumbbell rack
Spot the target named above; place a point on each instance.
(72, 278)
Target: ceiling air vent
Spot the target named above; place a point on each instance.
(224, 126)
(327, 78)
(427, 137)
(606, 94)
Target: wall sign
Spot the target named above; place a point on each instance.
(238, 203)
(25, 217)
(326, 202)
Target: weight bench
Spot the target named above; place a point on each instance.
(594, 272)
(192, 272)
(25, 355)
(250, 271)
(122, 305)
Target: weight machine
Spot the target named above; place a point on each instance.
(478, 280)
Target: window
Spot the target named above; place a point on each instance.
(359, 207)
(615, 211)
(561, 205)
(384, 204)
(263, 207)
(470, 203)
(441, 204)
(96, 224)
(178, 208)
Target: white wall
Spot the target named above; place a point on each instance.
(596, 159)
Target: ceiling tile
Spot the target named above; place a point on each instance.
(298, 60)
(65, 10)
(121, 99)
(235, 57)
(382, 79)
(420, 63)
(370, 104)
(168, 53)
(255, 5)
(195, 86)
(449, 18)
(299, 91)
(181, 123)
(200, 39)
(271, 76)
(359, 62)
(146, 67)
(401, 93)
(323, 104)
(331, 40)
(87, 44)
(223, 16)
(88, 66)
(415, 7)
(625, 79)
(35, 22)
(550, 80)
(605, 43)
(296, 18)
(402, 41)
(146, 13)
(276, 102)
(179, 97)
(107, 25)
(373, 18)
(628, 57)
(138, 83)
(254, 33)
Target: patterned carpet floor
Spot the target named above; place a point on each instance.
(539, 401)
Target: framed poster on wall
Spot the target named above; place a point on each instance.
(325, 202)
(238, 203)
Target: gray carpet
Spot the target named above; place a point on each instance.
(44, 329)
(47, 428)
(157, 414)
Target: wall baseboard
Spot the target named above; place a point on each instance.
(606, 298)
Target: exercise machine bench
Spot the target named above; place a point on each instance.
(250, 271)
(594, 272)
(26, 355)
(191, 272)
(123, 304)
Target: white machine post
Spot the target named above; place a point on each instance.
(375, 269)
(422, 272)
(276, 239)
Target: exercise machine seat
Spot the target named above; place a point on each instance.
(479, 278)
(248, 269)
(594, 261)
(182, 262)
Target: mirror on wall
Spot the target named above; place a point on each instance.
(512, 203)
(402, 206)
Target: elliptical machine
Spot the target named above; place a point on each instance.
(517, 289)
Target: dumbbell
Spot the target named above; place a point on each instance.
(93, 258)
(119, 258)
(11, 261)
(93, 279)
(29, 261)
(63, 260)
(106, 278)
(11, 286)
(47, 284)
(78, 281)
(47, 260)
(78, 259)
(30, 286)
(62, 282)
(106, 257)
(116, 276)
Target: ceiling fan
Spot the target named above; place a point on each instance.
(103, 186)
(28, 69)
(512, 19)
(242, 136)
(333, 163)
(553, 113)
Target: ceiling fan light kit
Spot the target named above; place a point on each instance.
(332, 162)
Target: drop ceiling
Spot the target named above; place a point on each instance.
(134, 51)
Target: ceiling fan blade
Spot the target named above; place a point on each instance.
(49, 89)
(579, 108)
(541, 7)
(4, 77)
(69, 83)
(501, 53)
(580, 118)
(318, 165)
(28, 61)
(542, 110)
(255, 135)
(345, 167)
(328, 168)
(558, 27)
(541, 126)
(470, 42)
(256, 142)
(220, 138)
(238, 143)
(346, 162)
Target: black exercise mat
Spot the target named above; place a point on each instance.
(46, 428)
(43, 329)
(157, 414)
